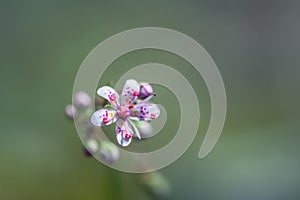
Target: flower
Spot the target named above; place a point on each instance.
(123, 111)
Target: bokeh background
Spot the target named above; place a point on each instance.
(255, 45)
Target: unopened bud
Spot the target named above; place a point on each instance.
(109, 151)
(70, 111)
(145, 90)
(82, 100)
(91, 147)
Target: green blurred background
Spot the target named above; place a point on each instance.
(255, 45)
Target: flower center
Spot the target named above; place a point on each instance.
(123, 111)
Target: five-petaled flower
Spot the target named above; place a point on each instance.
(123, 110)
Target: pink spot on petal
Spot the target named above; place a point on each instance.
(135, 93)
(112, 97)
(127, 136)
(105, 120)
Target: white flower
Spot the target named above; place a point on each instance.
(123, 111)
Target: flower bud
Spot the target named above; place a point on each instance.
(109, 152)
(91, 147)
(145, 90)
(86, 152)
(82, 100)
(70, 111)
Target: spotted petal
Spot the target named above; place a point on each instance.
(104, 117)
(124, 132)
(109, 94)
(136, 131)
(130, 92)
(145, 112)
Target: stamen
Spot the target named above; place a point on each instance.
(113, 100)
(112, 97)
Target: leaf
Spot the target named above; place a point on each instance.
(108, 106)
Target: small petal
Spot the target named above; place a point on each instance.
(130, 92)
(136, 131)
(110, 95)
(144, 112)
(124, 133)
(104, 117)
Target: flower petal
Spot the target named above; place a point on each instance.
(136, 131)
(130, 92)
(145, 112)
(124, 133)
(109, 94)
(104, 117)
